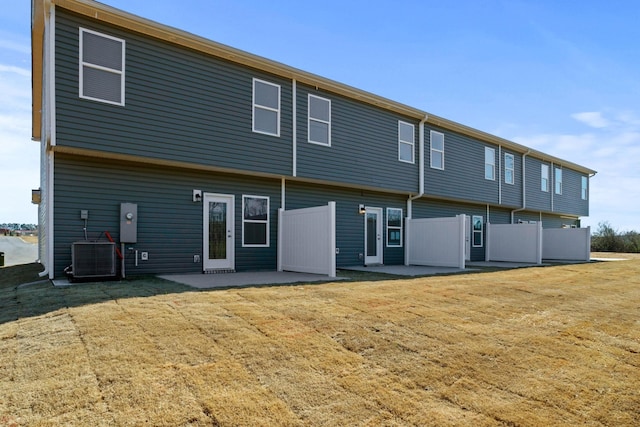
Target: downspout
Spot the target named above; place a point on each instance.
(552, 180)
(499, 174)
(420, 165)
(420, 185)
(294, 127)
(524, 185)
(48, 134)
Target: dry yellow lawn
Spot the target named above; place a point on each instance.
(529, 347)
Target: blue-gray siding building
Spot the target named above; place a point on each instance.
(209, 142)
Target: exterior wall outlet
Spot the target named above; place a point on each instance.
(144, 256)
(196, 258)
(337, 251)
(360, 257)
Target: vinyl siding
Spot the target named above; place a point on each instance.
(170, 224)
(349, 222)
(180, 105)
(463, 174)
(512, 193)
(536, 198)
(364, 146)
(570, 201)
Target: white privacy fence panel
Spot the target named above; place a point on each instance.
(438, 242)
(307, 240)
(514, 242)
(567, 244)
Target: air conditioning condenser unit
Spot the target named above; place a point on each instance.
(93, 259)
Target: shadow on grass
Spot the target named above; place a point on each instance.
(24, 294)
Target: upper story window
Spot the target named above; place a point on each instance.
(319, 124)
(255, 221)
(406, 142)
(584, 187)
(394, 227)
(266, 107)
(558, 181)
(509, 168)
(544, 177)
(101, 67)
(489, 163)
(437, 149)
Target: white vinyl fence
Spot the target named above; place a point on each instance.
(567, 244)
(307, 240)
(438, 242)
(514, 242)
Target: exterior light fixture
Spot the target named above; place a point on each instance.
(361, 210)
(197, 195)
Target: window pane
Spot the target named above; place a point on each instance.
(508, 161)
(437, 141)
(436, 159)
(267, 95)
(320, 109)
(318, 132)
(393, 237)
(406, 132)
(489, 156)
(256, 208)
(406, 152)
(508, 176)
(265, 120)
(255, 233)
(102, 51)
(488, 171)
(477, 239)
(101, 84)
(394, 217)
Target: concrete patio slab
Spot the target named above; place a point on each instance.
(230, 280)
(503, 264)
(406, 270)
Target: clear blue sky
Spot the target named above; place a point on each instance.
(560, 76)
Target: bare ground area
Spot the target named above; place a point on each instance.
(528, 347)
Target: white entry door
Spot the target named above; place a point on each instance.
(467, 238)
(218, 232)
(373, 236)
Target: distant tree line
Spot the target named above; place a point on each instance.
(17, 226)
(607, 239)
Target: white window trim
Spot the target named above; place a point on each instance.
(83, 64)
(393, 227)
(544, 177)
(492, 164)
(557, 183)
(512, 169)
(432, 150)
(245, 221)
(314, 119)
(584, 188)
(264, 107)
(474, 231)
(411, 143)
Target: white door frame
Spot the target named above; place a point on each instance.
(229, 262)
(375, 259)
(467, 238)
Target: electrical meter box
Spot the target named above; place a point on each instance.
(128, 223)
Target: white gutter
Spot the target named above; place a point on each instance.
(524, 185)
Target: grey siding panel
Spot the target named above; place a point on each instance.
(180, 105)
(570, 201)
(364, 145)
(170, 224)
(463, 174)
(512, 193)
(536, 198)
(349, 223)
(499, 216)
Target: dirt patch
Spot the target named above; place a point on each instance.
(535, 346)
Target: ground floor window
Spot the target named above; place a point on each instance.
(394, 227)
(477, 231)
(255, 221)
